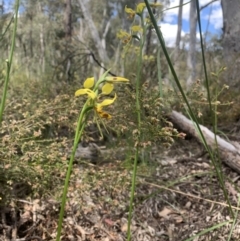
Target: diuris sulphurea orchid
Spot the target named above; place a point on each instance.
(91, 90)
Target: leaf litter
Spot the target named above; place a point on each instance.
(175, 201)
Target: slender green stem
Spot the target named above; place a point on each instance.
(138, 109)
(203, 57)
(234, 220)
(9, 62)
(134, 174)
(213, 117)
(78, 134)
(208, 230)
(88, 106)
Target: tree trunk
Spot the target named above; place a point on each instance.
(106, 26)
(42, 43)
(149, 35)
(93, 30)
(179, 30)
(231, 41)
(68, 20)
(2, 7)
(30, 35)
(191, 61)
(68, 35)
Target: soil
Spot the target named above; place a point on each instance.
(178, 196)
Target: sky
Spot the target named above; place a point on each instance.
(211, 20)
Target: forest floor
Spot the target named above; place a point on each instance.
(177, 197)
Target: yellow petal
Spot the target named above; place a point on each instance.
(154, 5)
(123, 34)
(89, 83)
(130, 11)
(88, 92)
(106, 102)
(136, 28)
(140, 8)
(113, 79)
(107, 88)
(104, 115)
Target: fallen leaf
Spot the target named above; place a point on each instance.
(81, 231)
(165, 212)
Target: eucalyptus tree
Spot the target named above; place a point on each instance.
(231, 41)
(191, 59)
(2, 7)
(179, 30)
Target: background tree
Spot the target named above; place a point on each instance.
(179, 30)
(191, 59)
(2, 7)
(68, 33)
(231, 41)
(67, 39)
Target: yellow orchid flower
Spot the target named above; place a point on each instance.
(136, 28)
(140, 8)
(130, 12)
(107, 88)
(124, 36)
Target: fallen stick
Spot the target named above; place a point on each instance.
(229, 151)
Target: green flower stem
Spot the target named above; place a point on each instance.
(101, 80)
(138, 108)
(9, 62)
(79, 130)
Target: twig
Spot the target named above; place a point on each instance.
(191, 195)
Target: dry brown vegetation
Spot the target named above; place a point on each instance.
(177, 192)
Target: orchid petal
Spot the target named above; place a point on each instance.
(89, 83)
(130, 11)
(155, 5)
(123, 34)
(113, 79)
(107, 88)
(88, 92)
(140, 8)
(136, 28)
(106, 102)
(104, 115)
